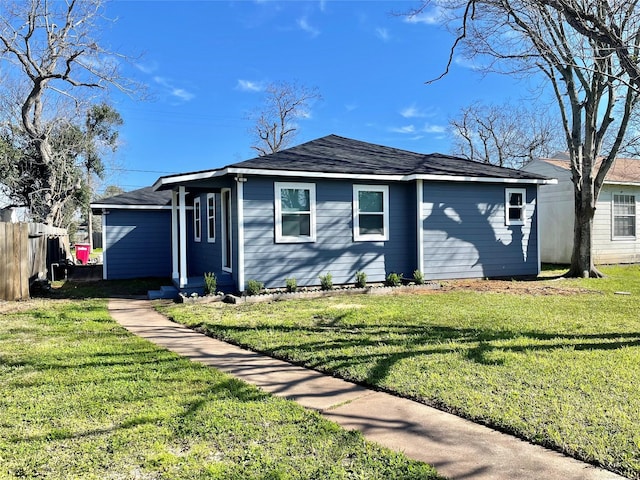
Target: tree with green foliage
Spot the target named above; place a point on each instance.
(49, 52)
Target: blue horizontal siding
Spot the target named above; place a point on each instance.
(465, 233)
(138, 243)
(334, 250)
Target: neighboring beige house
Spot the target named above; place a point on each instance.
(615, 236)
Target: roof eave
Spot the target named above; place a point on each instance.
(165, 183)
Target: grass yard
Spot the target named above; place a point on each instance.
(82, 398)
(553, 361)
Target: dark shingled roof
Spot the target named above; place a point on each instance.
(335, 154)
(142, 196)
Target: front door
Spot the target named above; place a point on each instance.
(226, 230)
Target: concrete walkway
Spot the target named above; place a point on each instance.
(457, 448)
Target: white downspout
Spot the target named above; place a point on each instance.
(420, 226)
(183, 236)
(175, 272)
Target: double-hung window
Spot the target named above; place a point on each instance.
(211, 217)
(515, 206)
(624, 216)
(295, 212)
(370, 212)
(197, 229)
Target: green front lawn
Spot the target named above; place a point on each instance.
(82, 398)
(559, 365)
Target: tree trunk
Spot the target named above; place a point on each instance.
(582, 258)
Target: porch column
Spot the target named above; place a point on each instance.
(420, 225)
(175, 275)
(240, 181)
(182, 214)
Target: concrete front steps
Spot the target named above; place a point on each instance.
(194, 285)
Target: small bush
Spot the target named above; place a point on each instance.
(418, 277)
(361, 279)
(326, 281)
(210, 283)
(254, 287)
(394, 279)
(292, 284)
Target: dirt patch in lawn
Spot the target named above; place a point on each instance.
(518, 287)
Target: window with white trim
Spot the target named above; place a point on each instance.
(211, 217)
(624, 216)
(197, 228)
(370, 212)
(295, 212)
(515, 206)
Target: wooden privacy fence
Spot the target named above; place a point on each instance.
(27, 251)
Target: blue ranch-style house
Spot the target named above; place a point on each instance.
(329, 205)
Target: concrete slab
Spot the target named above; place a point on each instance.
(459, 449)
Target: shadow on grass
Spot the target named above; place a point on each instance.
(346, 347)
(71, 289)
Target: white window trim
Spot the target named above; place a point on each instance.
(211, 215)
(613, 218)
(225, 209)
(278, 187)
(357, 236)
(197, 220)
(507, 205)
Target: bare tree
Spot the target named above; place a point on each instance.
(50, 46)
(275, 124)
(590, 70)
(505, 135)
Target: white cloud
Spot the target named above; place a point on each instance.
(249, 86)
(433, 16)
(407, 129)
(147, 68)
(177, 92)
(412, 112)
(383, 34)
(304, 25)
(466, 63)
(429, 128)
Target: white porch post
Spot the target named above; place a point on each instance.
(182, 214)
(105, 248)
(175, 275)
(420, 226)
(240, 209)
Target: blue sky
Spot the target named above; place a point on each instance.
(205, 63)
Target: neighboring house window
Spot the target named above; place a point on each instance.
(515, 206)
(295, 206)
(370, 212)
(197, 230)
(624, 216)
(211, 217)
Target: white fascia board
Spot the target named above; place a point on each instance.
(130, 207)
(626, 184)
(302, 173)
(455, 178)
(188, 177)
(355, 176)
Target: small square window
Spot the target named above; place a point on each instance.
(370, 212)
(515, 206)
(295, 210)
